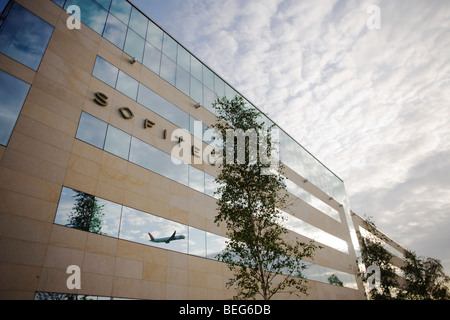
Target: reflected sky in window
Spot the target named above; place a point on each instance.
(24, 37)
(13, 93)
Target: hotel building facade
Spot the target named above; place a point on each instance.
(87, 116)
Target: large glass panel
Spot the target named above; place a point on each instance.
(104, 3)
(184, 59)
(152, 58)
(138, 22)
(196, 90)
(208, 78)
(169, 47)
(92, 14)
(219, 86)
(13, 93)
(134, 45)
(4, 2)
(197, 242)
(86, 212)
(141, 227)
(196, 179)
(105, 71)
(24, 37)
(215, 244)
(210, 185)
(182, 81)
(127, 85)
(196, 68)
(121, 9)
(164, 108)
(117, 142)
(157, 161)
(168, 70)
(208, 99)
(115, 31)
(155, 35)
(91, 130)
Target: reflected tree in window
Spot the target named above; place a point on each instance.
(87, 213)
(334, 280)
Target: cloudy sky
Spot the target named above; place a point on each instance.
(372, 104)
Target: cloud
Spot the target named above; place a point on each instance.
(372, 105)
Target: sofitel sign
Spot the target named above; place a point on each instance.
(257, 147)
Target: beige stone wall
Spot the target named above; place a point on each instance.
(43, 155)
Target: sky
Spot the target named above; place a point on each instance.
(362, 85)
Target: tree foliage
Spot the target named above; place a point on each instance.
(420, 278)
(258, 252)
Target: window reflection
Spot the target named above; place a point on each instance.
(168, 69)
(115, 31)
(152, 58)
(24, 36)
(138, 22)
(169, 47)
(117, 142)
(155, 35)
(196, 179)
(91, 130)
(105, 71)
(13, 93)
(121, 9)
(86, 212)
(134, 45)
(92, 14)
(141, 227)
(127, 85)
(197, 242)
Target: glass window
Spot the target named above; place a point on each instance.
(196, 90)
(196, 179)
(13, 93)
(134, 45)
(210, 185)
(155, 35)
(161, 106)
(208, 99)
(169, 47)
(219, 86)
(208, 78)
(24, 37)
(168, 69)
(152, 58)
(157, 161)
(115, 31)
(58, 2)
(117, 142)
(138, 22)
(196, 68)
(141, 227)
(182, 81)
(91, 130)
(104, 3)
(215, 244)
(121, 9)
(86, 212)
(105, 71)
(92, 14)
(127, 85)
(184, 59)
(197, 242)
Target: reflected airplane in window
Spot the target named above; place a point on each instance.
(166, 239)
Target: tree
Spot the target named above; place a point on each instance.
(86, 214)
(374, 253)
(262, 260)
(424, 279)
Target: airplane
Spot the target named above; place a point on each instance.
(166, 239)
